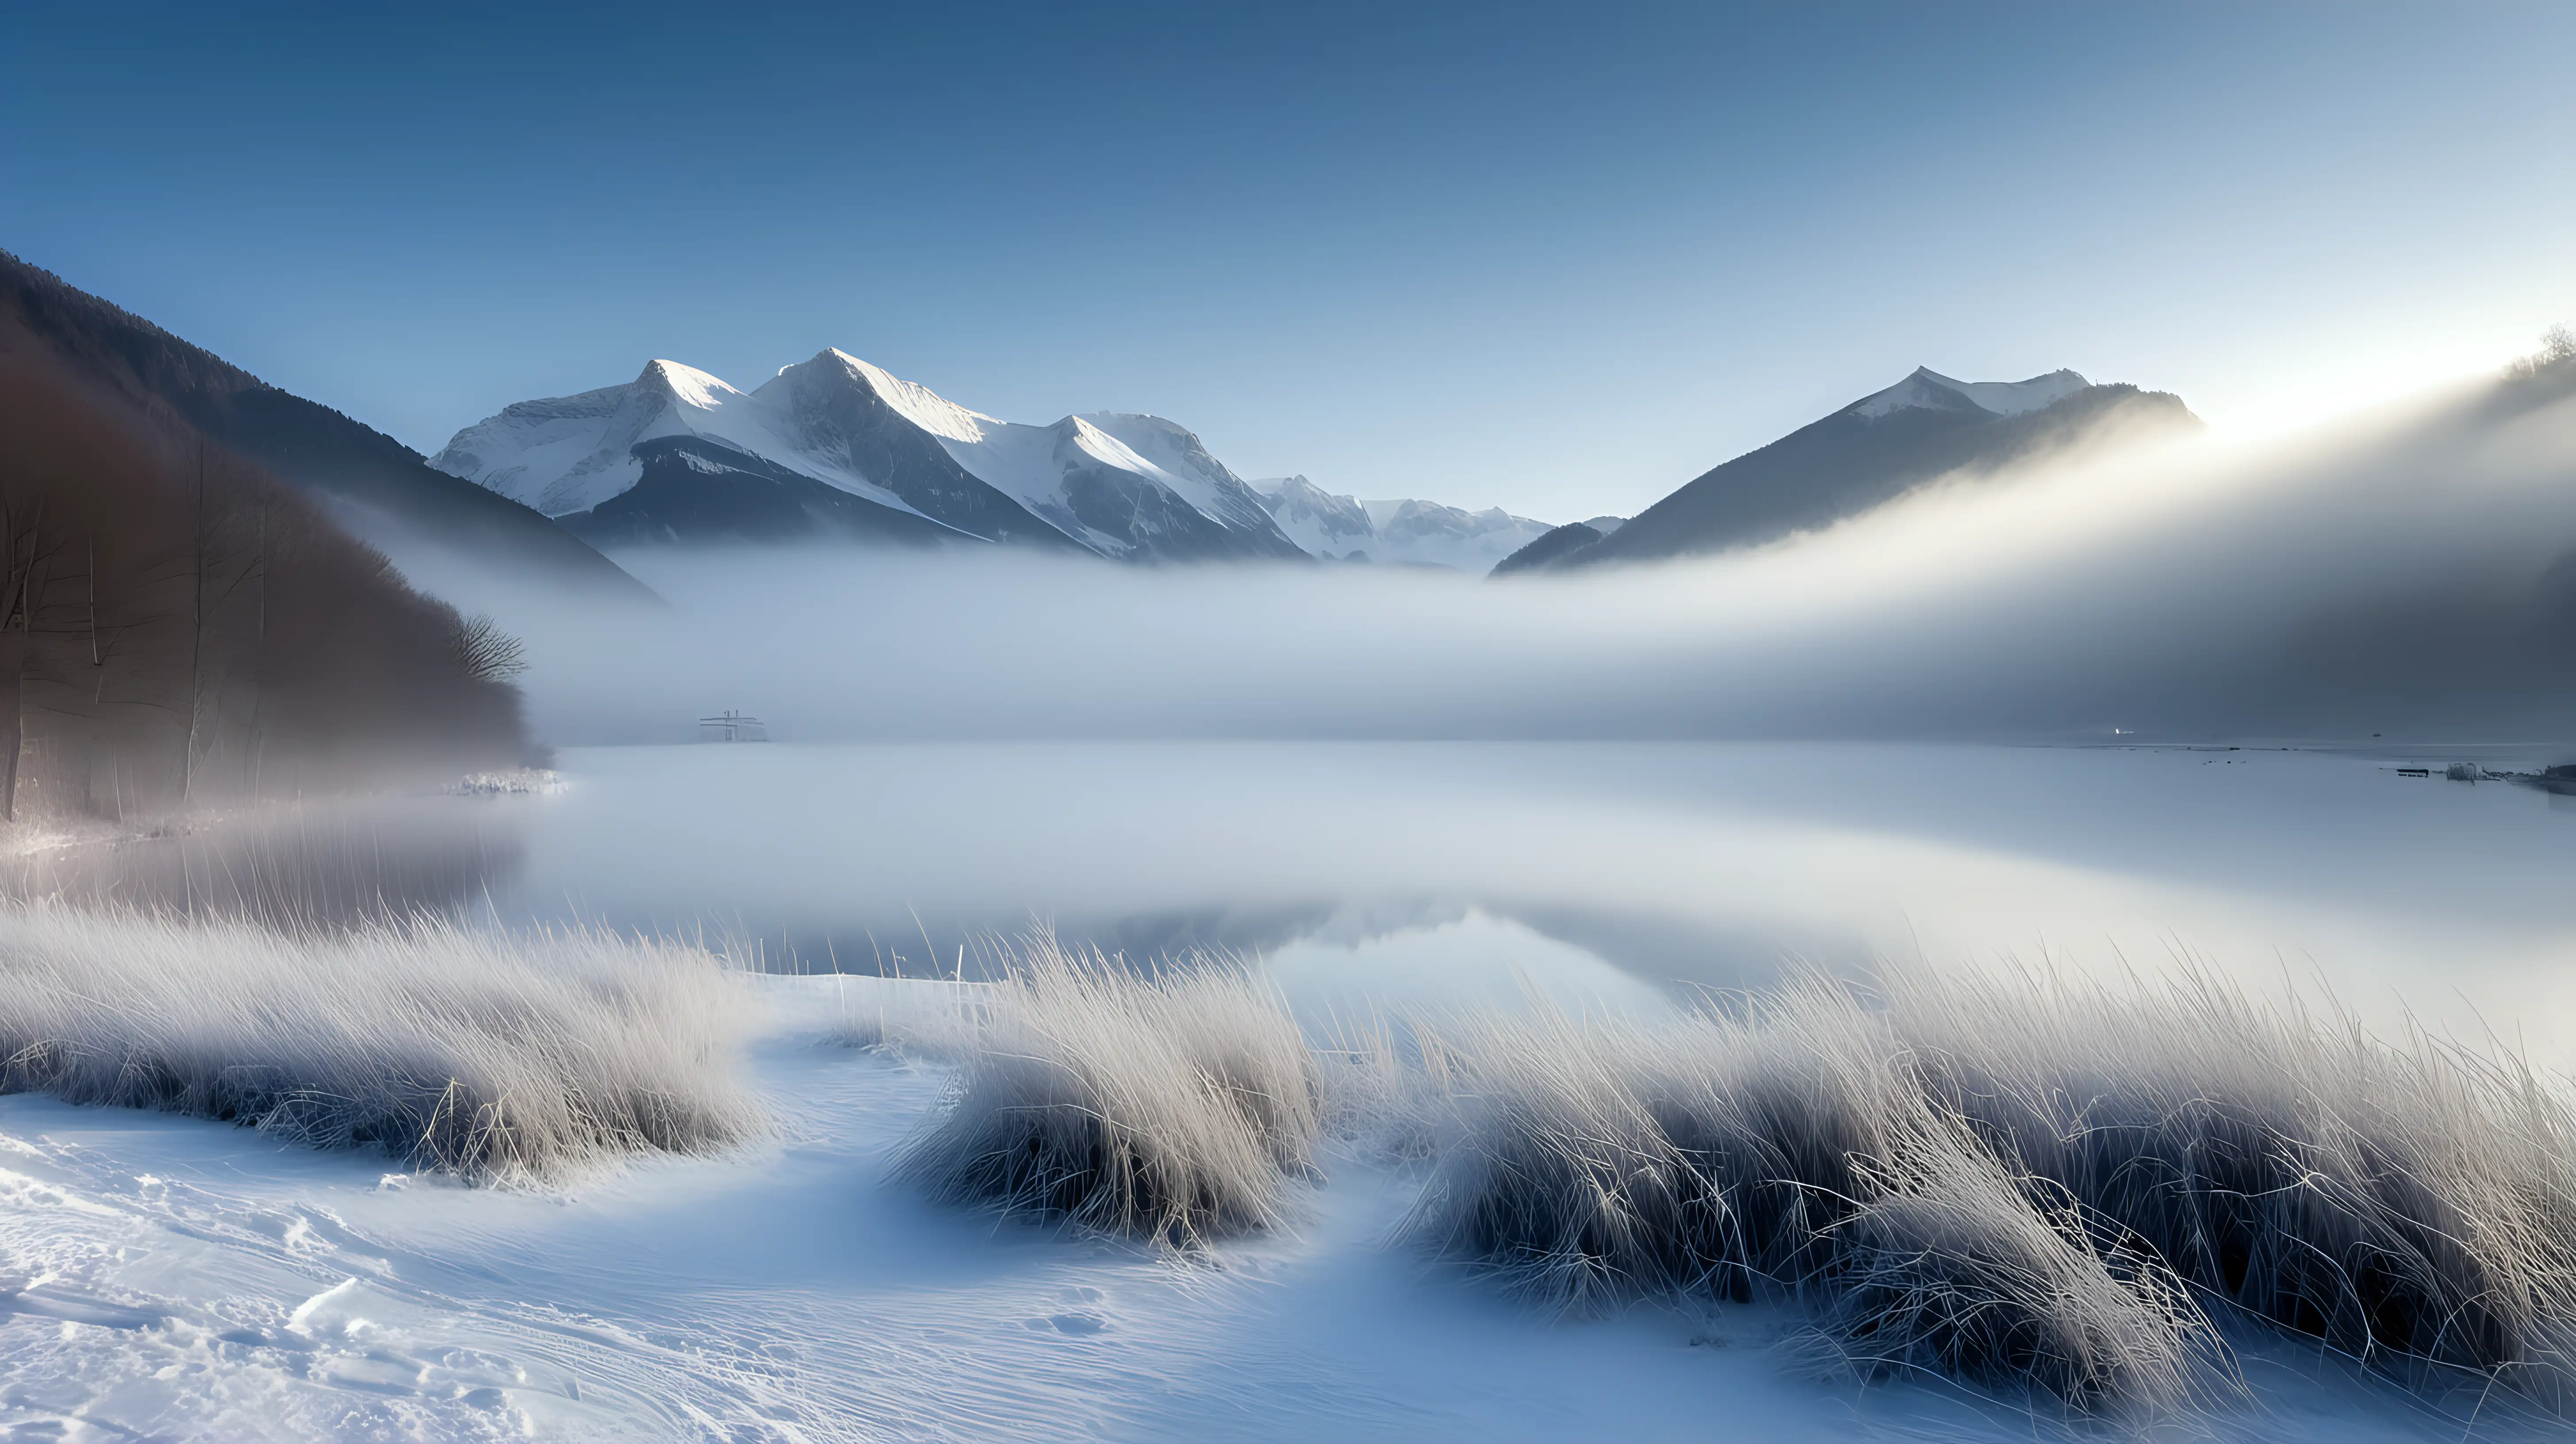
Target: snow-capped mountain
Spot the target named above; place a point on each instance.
(1327, 526)
(834, 446)
(1399, 531)
(1449, 536)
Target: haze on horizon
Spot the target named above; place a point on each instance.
(1491, 256)
(2201, 589)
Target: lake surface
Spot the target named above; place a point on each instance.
(1611, 868)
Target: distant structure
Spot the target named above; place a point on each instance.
(731, 726)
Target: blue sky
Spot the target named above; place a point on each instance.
(1558, 258)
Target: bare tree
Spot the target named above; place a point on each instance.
(487, 653)
(2557, 348)
(22, 554)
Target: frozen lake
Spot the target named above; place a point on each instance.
(1403, 865)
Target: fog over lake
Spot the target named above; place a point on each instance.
(2403, 574)
(1277, 760)
(1673, 864)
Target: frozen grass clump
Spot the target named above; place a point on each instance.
(2412, 1203)
(1955, 1267)
(498, 1058)
(2029, 1181)
(1785, 1152)
(1172, 1108)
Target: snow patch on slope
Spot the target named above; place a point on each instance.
(1177, 457)
(1027, 464)
(915, 403)
(569, 453)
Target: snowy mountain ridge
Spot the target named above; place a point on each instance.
(724, 463)
(566, 455)
(834, 445)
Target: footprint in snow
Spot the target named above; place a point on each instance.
(1078, 1324)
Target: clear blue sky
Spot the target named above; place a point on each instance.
(1559, 258)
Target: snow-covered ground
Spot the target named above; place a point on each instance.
(174, 1279)
(166, 1278)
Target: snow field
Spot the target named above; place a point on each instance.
(2080, 1200)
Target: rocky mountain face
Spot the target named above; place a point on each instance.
(1545, 552)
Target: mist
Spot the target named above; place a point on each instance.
(2406, 575)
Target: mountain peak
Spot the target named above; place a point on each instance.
(686, 383)
(1929, 390)
(915, 403)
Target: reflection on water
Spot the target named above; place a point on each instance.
(335, 863)
(1601, 867)
(1474, 960)
(1679, 865)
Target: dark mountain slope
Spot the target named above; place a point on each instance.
(1852, 461)
(1550, 548)
(179, 627)
(374, 484)
(698, 490)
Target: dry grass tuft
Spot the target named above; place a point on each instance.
(1171, 1108)
(2028, 1181)
(494, 1057)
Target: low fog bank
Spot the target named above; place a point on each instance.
(2409, 576)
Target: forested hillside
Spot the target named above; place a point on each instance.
(178, 627)
(371, 484)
